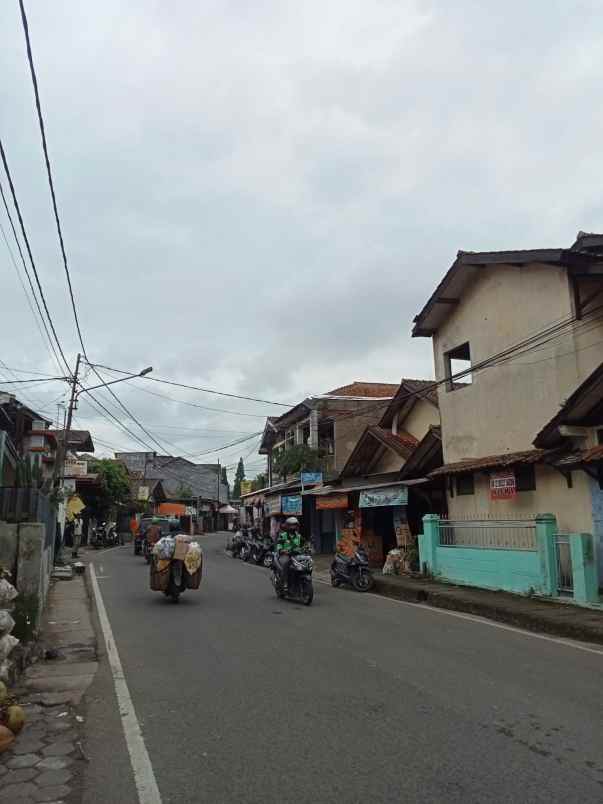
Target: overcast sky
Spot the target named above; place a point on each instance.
(259, 196)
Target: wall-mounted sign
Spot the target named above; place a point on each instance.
(307, 478)
(502, 486)
(76, 468)
(329, 502)
(389, 495)
(272, 505)
(143, 493)
(246, 486)
(291, 504)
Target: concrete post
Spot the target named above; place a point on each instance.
(429, 541)
(546, 531)
(314, 429)
(33, 578)
(584, 568)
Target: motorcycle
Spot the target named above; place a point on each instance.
(353, 571)
(262, 550)
(177, 582)
(99, 536)
(299, 581)
(246, 546)
(235, 544)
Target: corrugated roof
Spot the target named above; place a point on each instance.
(592, 455)
(378, 390)
(494, 461)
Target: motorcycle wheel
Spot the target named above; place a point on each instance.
(363, 582)
(267, 562)
(335, 582)
(136, 549)
(245, 554)
(307, 592)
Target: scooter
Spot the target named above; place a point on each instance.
(299, 581)
(262, 550)
(98, 537)
(235, 544)
(246, 546)
(177, 582)
(353, 571)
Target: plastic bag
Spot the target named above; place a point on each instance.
(392, 562)
(7, 643)
(164, 548)
(7, 592)
(6, 622)
(193, 558)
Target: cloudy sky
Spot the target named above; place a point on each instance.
(258, 197)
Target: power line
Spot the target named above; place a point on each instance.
(53, 351)
(31, 259)
(200, 388)
(48, 170)
(34, 380)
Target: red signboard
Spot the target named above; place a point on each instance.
(331, 502)
(502, 486)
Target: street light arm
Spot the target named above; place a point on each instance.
(142, 373)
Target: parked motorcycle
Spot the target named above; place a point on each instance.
(353, 571)
(299, 581)
(98, 537)
(235, 544)
(262, 549)
(246, 546)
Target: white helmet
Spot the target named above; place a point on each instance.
(292, 520)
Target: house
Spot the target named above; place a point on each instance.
(514, 334)
(328, 424)
(374, 500)
(27, 437)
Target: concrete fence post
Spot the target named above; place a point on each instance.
(546, 532)
(428, 543)
(584, 568)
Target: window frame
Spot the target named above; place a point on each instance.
(463, 492)
(527, 472)
(458, 353)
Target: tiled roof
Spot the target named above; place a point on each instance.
(78, 439)
(494, 461)
(401, 443)
(378, 390)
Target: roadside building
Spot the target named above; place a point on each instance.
(373, 500)
(514, 334)
(328, 427)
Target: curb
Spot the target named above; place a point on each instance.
(556, 622)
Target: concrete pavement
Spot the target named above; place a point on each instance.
(244, 698)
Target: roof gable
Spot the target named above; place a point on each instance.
(373, 440)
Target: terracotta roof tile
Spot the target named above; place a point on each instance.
(370, 389)
(494, 461)
(402, 439)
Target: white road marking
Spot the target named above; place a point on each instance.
(144, 777)
(568, 643)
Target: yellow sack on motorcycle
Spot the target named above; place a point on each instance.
(193, 558)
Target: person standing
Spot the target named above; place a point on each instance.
(77, 535)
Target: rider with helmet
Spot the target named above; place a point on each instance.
(289, 540)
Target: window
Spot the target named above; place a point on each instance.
(306, 433)
(465, 484)
(290, 438)
(525, 478)
(456, 362)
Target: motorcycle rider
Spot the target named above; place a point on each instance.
(289, 539)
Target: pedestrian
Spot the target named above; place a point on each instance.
(77, 535)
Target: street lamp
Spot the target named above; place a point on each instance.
(142, 373)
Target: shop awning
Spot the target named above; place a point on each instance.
(364, 486)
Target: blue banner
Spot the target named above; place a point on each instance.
(308, 478)
(291, 504)
(378, 498)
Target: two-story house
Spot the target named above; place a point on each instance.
(514, 334)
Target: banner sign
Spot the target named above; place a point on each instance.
(307, 478)
(291, 504)
(246, 486)
(272, 505)
(143, 493)
(329, 502)
(502, 486)
(390, 495)
(75, 468)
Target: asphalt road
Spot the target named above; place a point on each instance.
(245, 698)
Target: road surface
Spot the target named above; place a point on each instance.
(244, 698)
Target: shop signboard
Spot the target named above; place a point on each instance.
(502, 486)
(291, 504)
(273, 505)
(75, 468)
(246, 486)
(388, 495)
(143, 493)
(330, 502)
(308, 478)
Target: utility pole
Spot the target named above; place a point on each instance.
(219, 479)
(67, 430)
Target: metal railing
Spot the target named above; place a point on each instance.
(565, 573)
(490, 534)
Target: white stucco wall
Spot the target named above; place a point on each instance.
(506, 405)
(422, 416)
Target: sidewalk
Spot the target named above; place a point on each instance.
(45, 761)
(533, 614)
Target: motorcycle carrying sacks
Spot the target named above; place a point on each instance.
(164, 548)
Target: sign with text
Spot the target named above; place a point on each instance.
(291, 504)
(143, 493)
(388, 495)
(307, 478)
(272, 505)
(330, 502)
(246, 486)
(76, 468)
(502, 486)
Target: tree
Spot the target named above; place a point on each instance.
(239, 475)
(259, 482)
(114, 487)
(297, 459)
